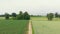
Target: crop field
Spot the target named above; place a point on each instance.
(43, 19)
(13, 26)
(46, 27)
(43, 26)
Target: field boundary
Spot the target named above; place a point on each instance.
(32, 28)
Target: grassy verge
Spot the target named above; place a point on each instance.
(32, 28)
(26, 29)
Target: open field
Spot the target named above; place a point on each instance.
(41, 25)
(3, 18)
(38, 18)
(43, 19)
(13, 26)
(46, 27)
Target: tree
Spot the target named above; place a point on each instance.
(20, 13)
(6, 16)
(26, 16)
(20, 16)
(14, 15)
(59, 15)
(23, 16)
(50, 16)
(56, 15)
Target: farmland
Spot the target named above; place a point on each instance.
(13, 26)
(42, 26)
(43, 19)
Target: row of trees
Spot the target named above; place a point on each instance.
(57, 15)
(50, 16)
(20, 16)
(26, 16)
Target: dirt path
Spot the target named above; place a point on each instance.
(30, 28)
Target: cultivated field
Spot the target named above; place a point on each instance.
(43, 26)
(40, 25)
(13, 26)
(43, 19)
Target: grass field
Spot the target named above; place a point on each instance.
(13, 26)
(42, 26)
(43, 19)
(46, 27)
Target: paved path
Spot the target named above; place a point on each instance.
(30, 28)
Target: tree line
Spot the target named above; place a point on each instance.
(26, 16)
(50, 16)
(20, 16)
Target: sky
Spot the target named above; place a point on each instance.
(33, 7)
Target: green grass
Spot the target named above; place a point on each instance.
(43, 19)
(41, 25)
(38, 18)
(13, 26)
(46, 27)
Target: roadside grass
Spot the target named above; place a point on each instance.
(32, 29)
(13, 26)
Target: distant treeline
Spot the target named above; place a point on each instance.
(14, 16)
(17, 14)
(50, 16)
(4, 15)
(36, 15)
(26, 16)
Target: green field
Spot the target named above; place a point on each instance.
(46, 27)
(43, 19)
(42, 26)
(13, 26)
